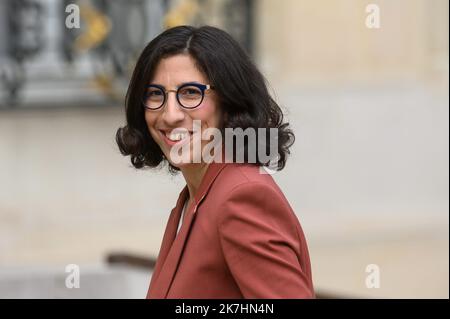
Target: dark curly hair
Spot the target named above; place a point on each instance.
(241, 89)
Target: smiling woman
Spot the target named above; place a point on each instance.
(168, 115)
(239, 237)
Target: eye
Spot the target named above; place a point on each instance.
(190, 92)
(154, 92)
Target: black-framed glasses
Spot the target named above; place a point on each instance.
(189, 95)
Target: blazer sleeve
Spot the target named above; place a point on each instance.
(261, 244)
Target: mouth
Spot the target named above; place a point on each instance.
(171, 137)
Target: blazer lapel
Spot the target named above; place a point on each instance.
(172, 247)
(169, 236)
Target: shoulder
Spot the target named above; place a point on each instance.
(243, 191)
(244, 176)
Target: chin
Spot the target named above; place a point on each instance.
(182, 165)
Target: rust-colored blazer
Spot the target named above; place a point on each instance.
(240, 239)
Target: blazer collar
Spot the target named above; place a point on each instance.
(172, 245)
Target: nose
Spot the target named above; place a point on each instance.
(172, 112)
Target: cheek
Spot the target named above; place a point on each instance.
(150, 119)
(209, 114)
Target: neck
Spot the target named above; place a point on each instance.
(193, 174)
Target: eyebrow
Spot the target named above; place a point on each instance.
(181, 84)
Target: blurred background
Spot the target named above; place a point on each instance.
(364, 85)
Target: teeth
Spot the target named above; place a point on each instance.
(176, 136)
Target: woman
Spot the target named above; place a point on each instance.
(232, 233)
